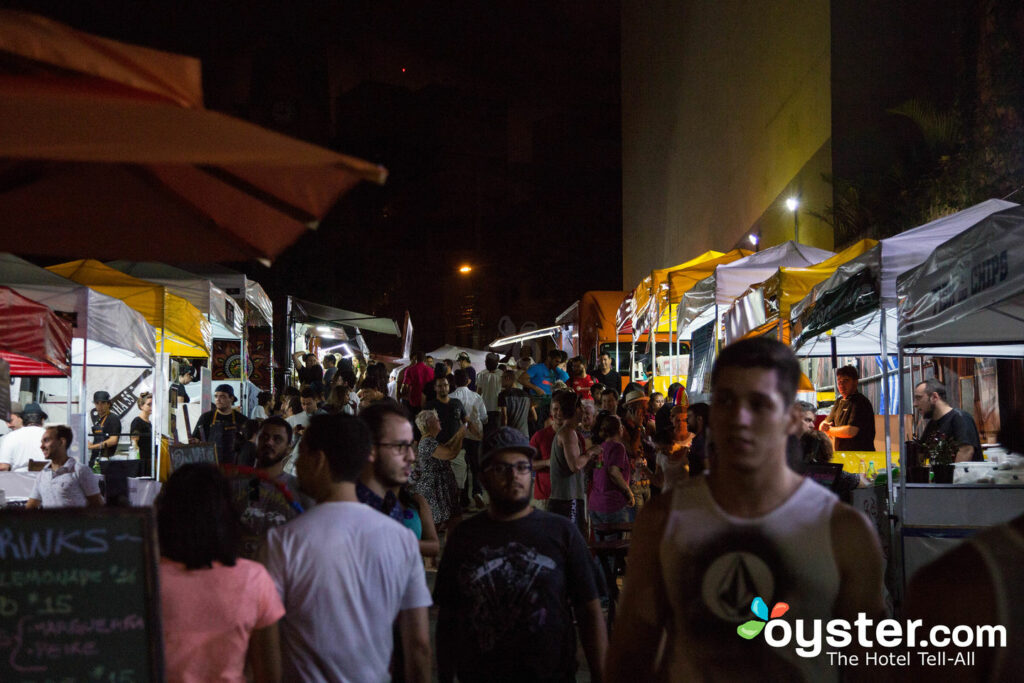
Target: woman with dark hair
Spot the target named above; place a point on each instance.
(610, 495)
(217, 609)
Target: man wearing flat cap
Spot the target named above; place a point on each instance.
(507, 579)
(106, 428)
(22, 443)
(222, 425)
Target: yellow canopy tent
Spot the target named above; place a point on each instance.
(680, 279)
(648, 292)
(764, 308)
(181, 329)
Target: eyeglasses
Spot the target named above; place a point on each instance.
(503, 468)
(398, 445)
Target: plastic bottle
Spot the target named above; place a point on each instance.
(871, 471)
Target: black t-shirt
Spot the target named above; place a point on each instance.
(103, 429)
(958, 425)
(450, 414)
(508, 587)
(311, 374)
(612, 379)
(855, 411)
(178, 390)
(143, 430)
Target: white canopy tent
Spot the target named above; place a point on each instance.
(967, 297)
(848, 308)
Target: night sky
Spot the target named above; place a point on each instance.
(499, 123)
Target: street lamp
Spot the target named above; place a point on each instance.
(753, 240)
(466, 269)
(793, 204)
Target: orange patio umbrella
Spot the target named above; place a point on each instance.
(107, 152)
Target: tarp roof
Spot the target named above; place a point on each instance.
(730, 280)
(767, 303)
(116, 333)
(969, 293)
(220, 309)
(33, 339)
(838, 305)
(237, 285)
(181, 329)
(307, 311)
(476, 356)
(648, 292)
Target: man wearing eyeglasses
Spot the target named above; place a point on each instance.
(507, 579)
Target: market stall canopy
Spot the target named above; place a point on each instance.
(181, 330)
(109, 154)
(624, 315)
(968, 295)
(849, 305)
(526, 336)
(224, 314)
(33, 339)
(246, 292)
(648, 294)
(309, 312)
(765, 306)
(451, 352)
(729, 280)
(106, 330)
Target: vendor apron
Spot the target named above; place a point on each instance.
(98, 437)
(223, 432)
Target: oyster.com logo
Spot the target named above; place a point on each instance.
(751, 629)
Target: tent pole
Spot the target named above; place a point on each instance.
(887, 401)
(903, 469)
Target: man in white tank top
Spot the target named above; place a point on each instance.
(751, 529)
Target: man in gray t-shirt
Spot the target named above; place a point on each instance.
(514, 404)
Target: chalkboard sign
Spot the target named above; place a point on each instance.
(79, 597)
(183, 454)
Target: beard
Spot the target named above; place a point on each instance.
(510, 506)
(389, 479)
(265, 459)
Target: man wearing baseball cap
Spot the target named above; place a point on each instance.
(106, 428)
(466, 365)
(507, 578)
(22, 443)
(222, 425)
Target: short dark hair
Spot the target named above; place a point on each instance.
(567, 400)
(555, 353)
(509, 374)
(761, 352)
(277, 421)
(607, 426)
(375, 414)
(63, 432)
(264, 397)
(329, 358)
(460, 378)
(416, 357)
(294, 404)
(344, 440)
(848, 371)
(308, 392)
(348, 376)
(491, 362)
(701, 410)
(934, 386)
(196, 521)
(290, 391)
(816, 447)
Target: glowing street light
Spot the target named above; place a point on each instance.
(753, 239)
(793, 204)
(466, 270)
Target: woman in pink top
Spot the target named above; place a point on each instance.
(610, 496)
(217, 608)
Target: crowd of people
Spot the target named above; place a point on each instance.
(294, 559)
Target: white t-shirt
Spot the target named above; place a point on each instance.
(489, 384)
(66, 487)
(476, 411)
(20, 446)
(344, 572)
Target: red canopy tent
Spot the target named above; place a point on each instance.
(33, 339)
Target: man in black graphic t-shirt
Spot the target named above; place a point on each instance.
(507, 580)
(930, 401)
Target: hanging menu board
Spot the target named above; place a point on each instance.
(79, 598)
